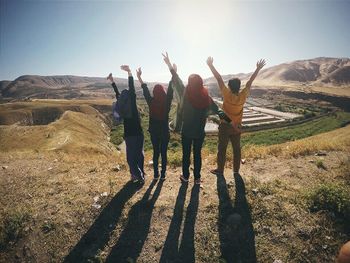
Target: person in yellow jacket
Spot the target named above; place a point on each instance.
(233, 102)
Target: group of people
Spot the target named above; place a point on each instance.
(194, 105)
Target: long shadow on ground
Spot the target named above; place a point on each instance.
(186, 252)
(170, 248)
(236, 233)
(133, 237)
(99, 233)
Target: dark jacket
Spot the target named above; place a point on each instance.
(132, 126)
(193, 120)
(157, 127)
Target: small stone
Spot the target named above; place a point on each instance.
(49, 169)
(243, 161)
(104, 194)
(278, 261)
(5, 167)
(324, 246)
(320, 154)
(255, 191)
(96, 198)
(97, 206)
(92, 170)
(116, 168)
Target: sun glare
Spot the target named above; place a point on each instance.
(200, 23)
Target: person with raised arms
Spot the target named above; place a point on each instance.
(133, 133)
(195, 106)
(159, 106)
(233, 102)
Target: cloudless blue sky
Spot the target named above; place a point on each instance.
(93, 38)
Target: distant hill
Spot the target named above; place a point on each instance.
(60, 87)
(319, 74)
(325, 75)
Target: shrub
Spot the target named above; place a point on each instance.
(12, 227)
(331, 198)
(320, 164)
(175, 158)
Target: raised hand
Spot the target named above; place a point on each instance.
(166, 59)
(138, 72)
(210, 61)
(260, 64)
(125, 68)
(110, 77)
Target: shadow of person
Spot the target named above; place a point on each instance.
(133, 237)
(187, 249)
(170, 250)
(236, 233)
(99, 233)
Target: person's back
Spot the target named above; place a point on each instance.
(193, 121)
(159, 107)
(133, 133)
(233, 103)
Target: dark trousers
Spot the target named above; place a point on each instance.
(134, 156)
(186, 156)
(160, 146)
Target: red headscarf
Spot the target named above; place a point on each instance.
(196, 93)
(158, 104)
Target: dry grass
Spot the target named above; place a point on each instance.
(331, 141)
(47, 199)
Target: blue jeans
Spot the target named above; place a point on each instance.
(134, 156)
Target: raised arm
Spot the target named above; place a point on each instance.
(110, 77)
(169, 95)
(130, 78)
(167, 61)
(216, 74)
(259, 65)
(177, 84)
(144, 87)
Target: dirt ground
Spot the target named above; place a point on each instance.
(86, 210)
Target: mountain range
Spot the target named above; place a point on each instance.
(325, 75)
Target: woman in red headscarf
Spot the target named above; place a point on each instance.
(196, 105)
(159, 106)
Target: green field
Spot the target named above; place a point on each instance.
(263, 137)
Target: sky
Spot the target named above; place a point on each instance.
(93, 38)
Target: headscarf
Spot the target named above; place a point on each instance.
(158, 104)
(196, 93)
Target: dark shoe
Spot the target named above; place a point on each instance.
(216, 172)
